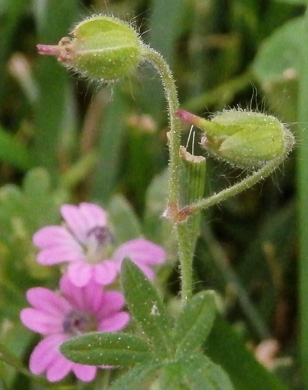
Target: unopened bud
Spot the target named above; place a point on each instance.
(102, 48)
(243, 138)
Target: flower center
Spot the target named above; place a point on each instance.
(77, 322)
(98, 239)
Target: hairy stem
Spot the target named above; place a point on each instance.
(174, 139)
(174, 135)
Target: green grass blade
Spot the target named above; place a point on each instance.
(10, 19)
(166, 25)
(224, 347)
(302, 205)
(54, 23)
(112, 135)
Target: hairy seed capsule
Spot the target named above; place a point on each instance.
(243, 138)
(102, 48)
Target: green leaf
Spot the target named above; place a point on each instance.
(280, 52)
(54, 101)
(162, 13)
(194, 323)
(37, 183)
(146, 306)
(138, 377)
(202, 374)
(10, 359)
(11, 13)
(121, 215)
(196, 372)
(171, 377)
(225, 348)
(98, 348)
(113, 133)
(13, 152)
(155, 228)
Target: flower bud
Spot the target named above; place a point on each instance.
(243, 138)
(102, 48)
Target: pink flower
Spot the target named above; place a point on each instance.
(61, 316)
(84, 242)
(142, 252)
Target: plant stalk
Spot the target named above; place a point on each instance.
(174, 142)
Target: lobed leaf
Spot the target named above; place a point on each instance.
(146, 307)
(138, 377)
(201, 373)
(195, 372)
(100, 348)
(194, 323)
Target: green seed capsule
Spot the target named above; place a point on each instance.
(102, 48)
(243, 138)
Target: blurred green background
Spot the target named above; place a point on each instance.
(64, 139)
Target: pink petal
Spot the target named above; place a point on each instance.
(74, 221)
(140, 251)
(88, 298)
(53, 235)
(82, 219)
(92, 296)
(74, 294)
(59, 254)
(80, 273)
(114, 323)
(112, 302)
(58, 369)
(105, 272)
(41, 322)
(45, 352)
(47, 301)
(149, 273)
(93, 214)
(84, 373)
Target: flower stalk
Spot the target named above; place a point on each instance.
(174, 142)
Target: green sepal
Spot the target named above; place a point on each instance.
(194, 323)
(103, 48)
(101, 348)
(195, 372)
(146, 307)
(253, 146)
(139, 377)
(243, 138)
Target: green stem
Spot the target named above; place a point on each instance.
(174, 138)
(186, 253)
(246, 183)
(174, 135)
